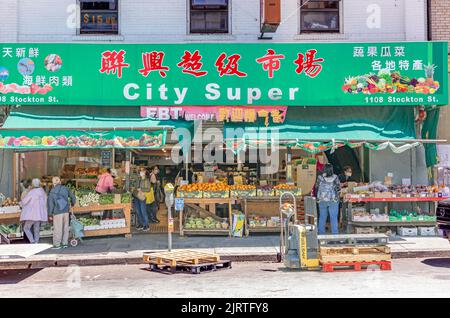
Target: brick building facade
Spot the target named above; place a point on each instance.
(168, 21)
(440, 31)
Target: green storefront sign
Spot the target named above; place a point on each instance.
(201, 74)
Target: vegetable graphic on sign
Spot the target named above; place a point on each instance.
(392, 83)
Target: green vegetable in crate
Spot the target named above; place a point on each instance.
(125, 198)
(106, 199)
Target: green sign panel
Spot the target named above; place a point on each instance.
(203, 74)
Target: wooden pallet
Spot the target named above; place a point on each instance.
(355, 266)
(355, 254)
(180, 257)
(353, 239)
(194, 269)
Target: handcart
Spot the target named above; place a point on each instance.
(76, 230)
(287, 211)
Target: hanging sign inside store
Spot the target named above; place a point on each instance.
(106, 159)
(224, 74)
(179, 204)
(248, 114)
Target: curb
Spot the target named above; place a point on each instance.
(6, 264)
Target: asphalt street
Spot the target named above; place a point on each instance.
(427, 278)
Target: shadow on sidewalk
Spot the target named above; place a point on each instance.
(437, 262)
(153, 242)
(15, 276)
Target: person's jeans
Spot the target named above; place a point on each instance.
(152, 210)
(141, 212)
(332, 208)
(32, 236)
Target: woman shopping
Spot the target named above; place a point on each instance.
(34, 211)
(327, 189)
(141, 187)
(154, 206)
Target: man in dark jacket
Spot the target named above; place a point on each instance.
(58, 210)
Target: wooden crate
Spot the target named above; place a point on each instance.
(355, 254)
(180, 257)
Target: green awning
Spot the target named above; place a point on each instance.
(318, 129)
(328, 123)
(88, 127)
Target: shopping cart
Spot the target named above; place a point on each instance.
(76, 230)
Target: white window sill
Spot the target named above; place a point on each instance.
(210, 37)
(97, 37)
(320, 36)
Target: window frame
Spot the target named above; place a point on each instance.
(80, 31)
(324, 10)
(209, 8)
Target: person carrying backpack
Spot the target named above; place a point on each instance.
(327, 190)
(58, 210)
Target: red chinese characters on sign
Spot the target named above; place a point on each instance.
(231, 66)
(153, 61)
(270, 62)
(191, 64)
(310, 65)
(113, 61)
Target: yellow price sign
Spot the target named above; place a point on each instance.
(170, 225)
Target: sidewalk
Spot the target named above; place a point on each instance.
(119, 250)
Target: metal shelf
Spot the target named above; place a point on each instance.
(414, 223)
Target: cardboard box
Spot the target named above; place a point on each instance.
(427, 231)
(351, 185)
(382, 195)
(388, 180)
(306, 177)
(407, 231)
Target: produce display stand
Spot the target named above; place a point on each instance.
(203, 202)
(275, 200)
(126, 208)
(84, 181)
(9, 217)
(348, 206)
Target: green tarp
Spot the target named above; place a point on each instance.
(429, 131)
(338, 123)
(91, 127)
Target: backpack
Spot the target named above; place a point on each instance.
(326, 191)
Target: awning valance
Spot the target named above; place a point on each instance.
(328, 123)
(85, 127)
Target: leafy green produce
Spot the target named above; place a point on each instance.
(105, 199)
(125, 198)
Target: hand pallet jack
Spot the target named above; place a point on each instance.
(299, 245)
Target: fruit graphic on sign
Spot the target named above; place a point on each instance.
(392, 83)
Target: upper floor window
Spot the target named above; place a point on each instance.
(99, 17)
(209, 16)
(319, 16)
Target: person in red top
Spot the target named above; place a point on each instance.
(105, 183)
